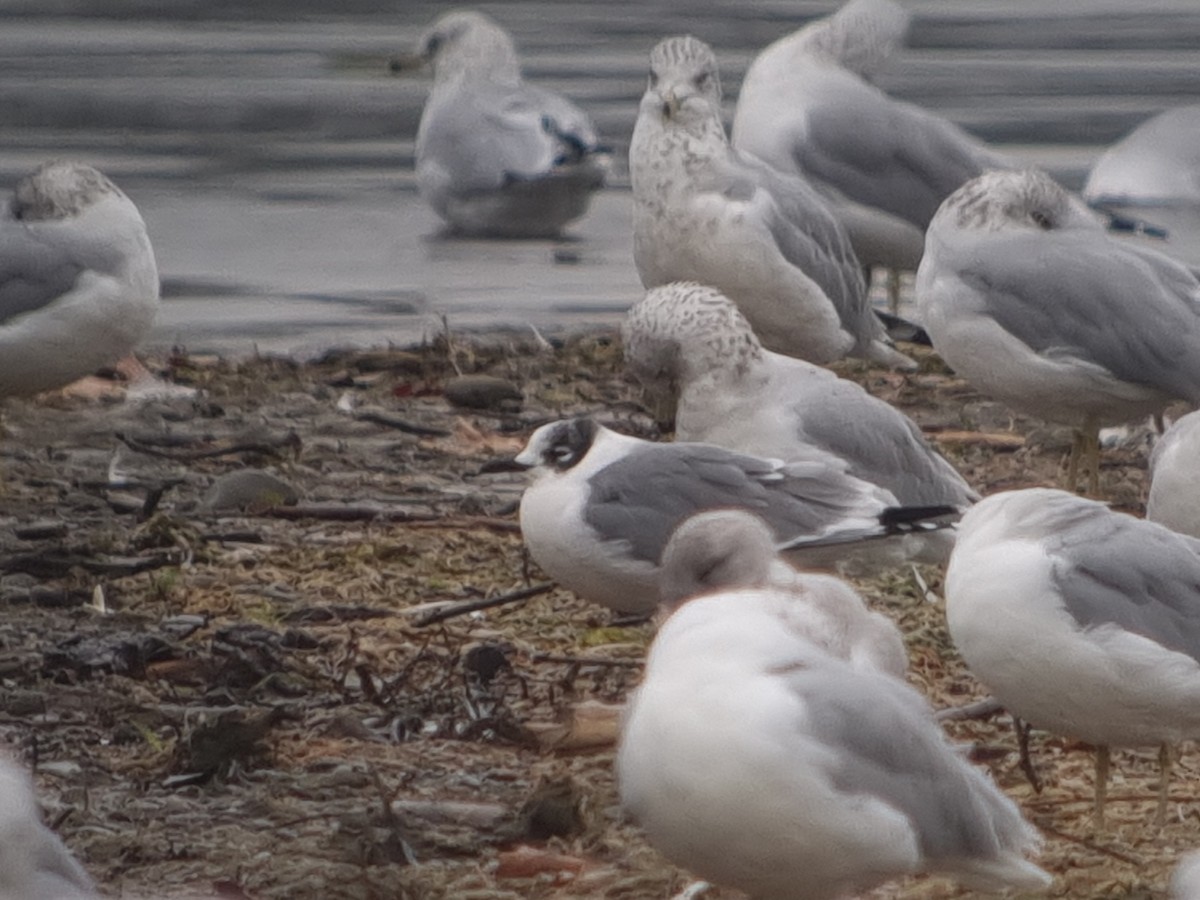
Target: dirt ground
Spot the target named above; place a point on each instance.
(254, 702)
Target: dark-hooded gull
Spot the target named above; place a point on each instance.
(1080, 620)
(1175, 477)
(497, 156)
(691, 348)
(705, 213)
(1028, 297)
(603, 505)
(78, 282)
(807, 107)
(761, 762)
(34, 863)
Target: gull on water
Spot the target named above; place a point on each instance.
(603, 505)
(759, 761)
(1156, 164)
(78, 282)
(1028, 298)
(705, 213)
(1175, 477)
(497, 156)
(806, 106)
(731, 550)
(34, 863)
(1080, 620)
(691, 347)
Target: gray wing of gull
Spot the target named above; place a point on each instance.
(886, 745)
(880, 445)
(808, 235)
(889, 154)
(1113, 569)
(1079, 294)
(641, 498)
(35, 270)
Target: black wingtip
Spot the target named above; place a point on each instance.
(895, 520)
(900, 329)
(902, 518)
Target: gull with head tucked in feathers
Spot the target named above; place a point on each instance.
(497, 156)
(703, 212)
(1028, 298)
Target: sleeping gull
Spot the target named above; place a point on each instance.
(806, 107)
(1028, 298)
(1080, 620)
(703, 212)
(759, 761)
(497, 156)
(603, 505)
(733, 550)
(34, 863)
(78, 281)
(1175, 477)
(690, 341)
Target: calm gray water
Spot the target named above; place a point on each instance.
(271, 154)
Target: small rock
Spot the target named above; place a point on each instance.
(247, 490)
(483, 392)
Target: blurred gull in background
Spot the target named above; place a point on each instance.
(496, 156)
(807, 107)
(1175, 477)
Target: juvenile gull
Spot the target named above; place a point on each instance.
(690, 342)
(1080, 620)
(1175, 477)
(34, 864)
(78, 281)
(603, 505)
(705, 213)
(1028, 297)
(806, 106)
(497, 156)
(760, 762)
(733, 551)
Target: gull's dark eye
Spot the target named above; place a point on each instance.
(653, 79)
(1041, 220)
(433, 44)
(702, 80)
(562, 454)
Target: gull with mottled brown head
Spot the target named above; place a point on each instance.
(705, 213)
(78, 282)
(692, 349)
(1027, 297)
(497, 156)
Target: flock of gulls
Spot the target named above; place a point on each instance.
(773, 745)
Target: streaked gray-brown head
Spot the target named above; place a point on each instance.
(680, 331)
(59, 190)
(1028, 199)
(724, 549)
(684, 85)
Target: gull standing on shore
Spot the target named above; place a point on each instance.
(1081, 621)
(1026, 296)
(705, 213)
(497, 156)
(759, 761)
(78, 282)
